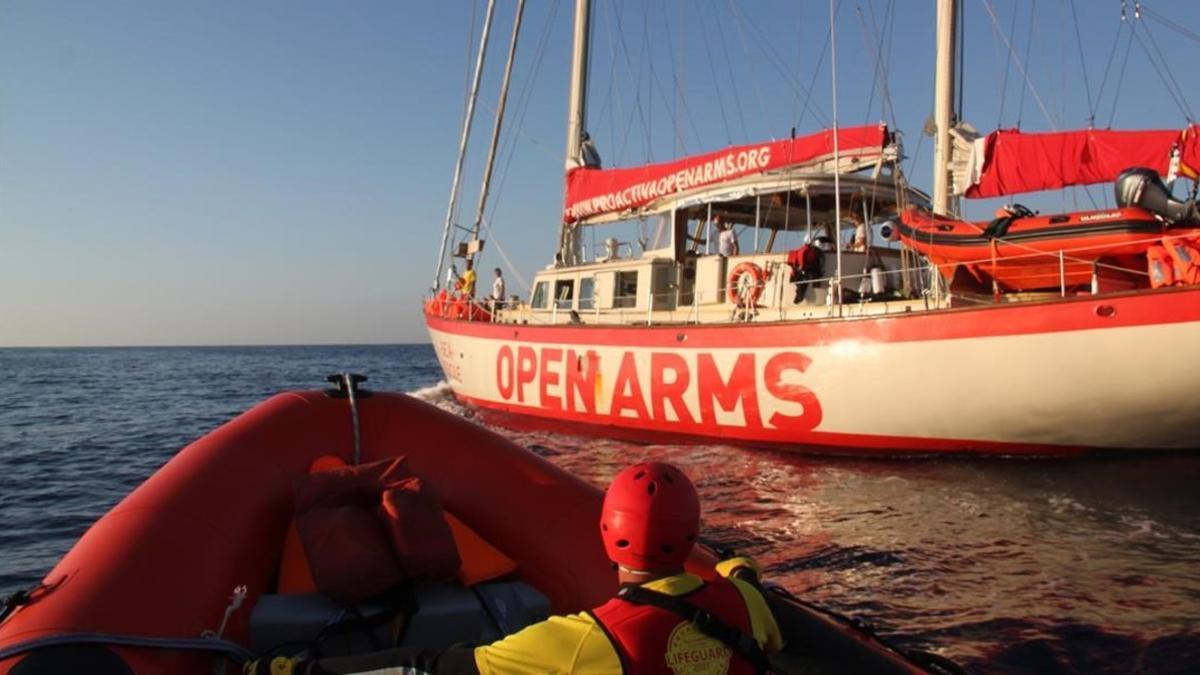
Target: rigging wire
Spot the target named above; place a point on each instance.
(1124, 62)
(737, 17)
(498, 125)
(733, 81)
(1112, 52)
(467, 83)
(776, 60)
(1020, 66)
(609, 91)
(816, 72)
(680, 105)
(618, 111)
(888, 49)
(1012, 29)
(867, 38)
(648, 55)
(1169, 23)
(1087, 87)
(673, 108)
(1168, 79)
(912, 161)
(1028, 46)
(470, 54)
(712, 71)
(1055, 104)
(637, 97)
(883, 48)
(874, 42)
(464, 138)
(799, 62)
(509, 144)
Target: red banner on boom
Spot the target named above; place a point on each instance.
(592, 191)
(1015, 162)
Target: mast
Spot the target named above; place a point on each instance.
(943, 111)
(836, 286)
(577, 97)
(462, 141)
(576, 115)
(491, 158)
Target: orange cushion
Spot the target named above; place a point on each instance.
(295, 576)
(480, 560)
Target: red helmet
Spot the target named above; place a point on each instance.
(651, 517)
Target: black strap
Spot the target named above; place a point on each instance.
(396, 601)
(23, 597)
(12, 602)
(712, 626)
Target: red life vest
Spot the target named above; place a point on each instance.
(654, 641)
(1160, 266)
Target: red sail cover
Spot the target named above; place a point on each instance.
(592, 191)
(1015, 162)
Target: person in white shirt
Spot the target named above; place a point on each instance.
(497, 296)
(859, 241)
(727, 243)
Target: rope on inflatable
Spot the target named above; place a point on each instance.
(217, 645)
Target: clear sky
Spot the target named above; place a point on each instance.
(277, 172)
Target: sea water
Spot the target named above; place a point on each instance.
(1003, 565)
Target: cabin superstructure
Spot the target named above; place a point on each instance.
(644, 242)
(668, 267)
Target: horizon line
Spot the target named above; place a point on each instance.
(218, 346)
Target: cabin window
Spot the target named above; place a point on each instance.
(627, 289)
(587, 293)
(564, 291)
(539, 296)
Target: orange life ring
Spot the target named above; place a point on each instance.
(754, 292)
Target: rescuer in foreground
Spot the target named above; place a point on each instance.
(663, 619)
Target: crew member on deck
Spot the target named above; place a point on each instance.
(468, 280)
(727, 242)
(859, 240)
(497, 296)
(663, 619)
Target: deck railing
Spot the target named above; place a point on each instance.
(926, 283)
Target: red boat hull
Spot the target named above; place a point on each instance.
(160, 567)
(163, 562)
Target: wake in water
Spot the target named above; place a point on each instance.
(442, 396)
(436, 394)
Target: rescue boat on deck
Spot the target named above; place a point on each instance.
(1024, 251)
(148, 588)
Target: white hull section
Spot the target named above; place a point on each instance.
(1118, 387)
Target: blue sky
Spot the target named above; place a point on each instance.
(277, 172)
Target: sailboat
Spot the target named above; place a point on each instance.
(831, 348)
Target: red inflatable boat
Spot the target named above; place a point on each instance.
(148, 588)
(1021, 252)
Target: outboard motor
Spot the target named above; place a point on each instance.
(1142, 187)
